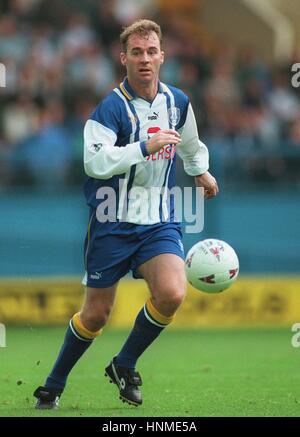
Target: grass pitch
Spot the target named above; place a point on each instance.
(249, 372)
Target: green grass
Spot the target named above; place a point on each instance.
(250, 372)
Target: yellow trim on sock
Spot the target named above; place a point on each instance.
(84, 332)
(156, 315)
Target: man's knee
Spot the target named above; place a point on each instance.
(95, 320)
(97, 307)
(168, 300)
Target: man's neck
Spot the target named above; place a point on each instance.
(147, 92)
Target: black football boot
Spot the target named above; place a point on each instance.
(128, 381)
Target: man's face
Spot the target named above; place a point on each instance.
(143, 58)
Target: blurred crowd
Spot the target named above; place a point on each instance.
(62, 57)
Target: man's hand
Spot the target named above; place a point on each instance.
(161, 139)
(209, 183)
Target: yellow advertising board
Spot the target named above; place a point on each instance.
(250, 301)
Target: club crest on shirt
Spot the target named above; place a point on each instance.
(174, 115)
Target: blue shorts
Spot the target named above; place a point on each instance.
(111, 256)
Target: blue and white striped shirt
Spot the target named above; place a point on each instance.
(114, 151)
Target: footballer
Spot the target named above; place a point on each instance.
(131, 141)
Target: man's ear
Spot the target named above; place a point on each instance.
(123, 58)
(162, 58)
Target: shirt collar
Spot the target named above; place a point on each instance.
(128, 92)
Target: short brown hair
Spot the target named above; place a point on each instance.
(140, 27)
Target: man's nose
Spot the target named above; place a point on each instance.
(145, 57)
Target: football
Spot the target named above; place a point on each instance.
(211, 265)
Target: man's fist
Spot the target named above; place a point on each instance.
(161, 139)
(209, 183)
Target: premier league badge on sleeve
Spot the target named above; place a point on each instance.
(174, 116)
(95, 147)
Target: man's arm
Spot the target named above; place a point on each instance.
(102, 159)
(195, 156)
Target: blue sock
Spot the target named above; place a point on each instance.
(74, 346)
(147, 327)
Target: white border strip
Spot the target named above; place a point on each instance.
(151, 320)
